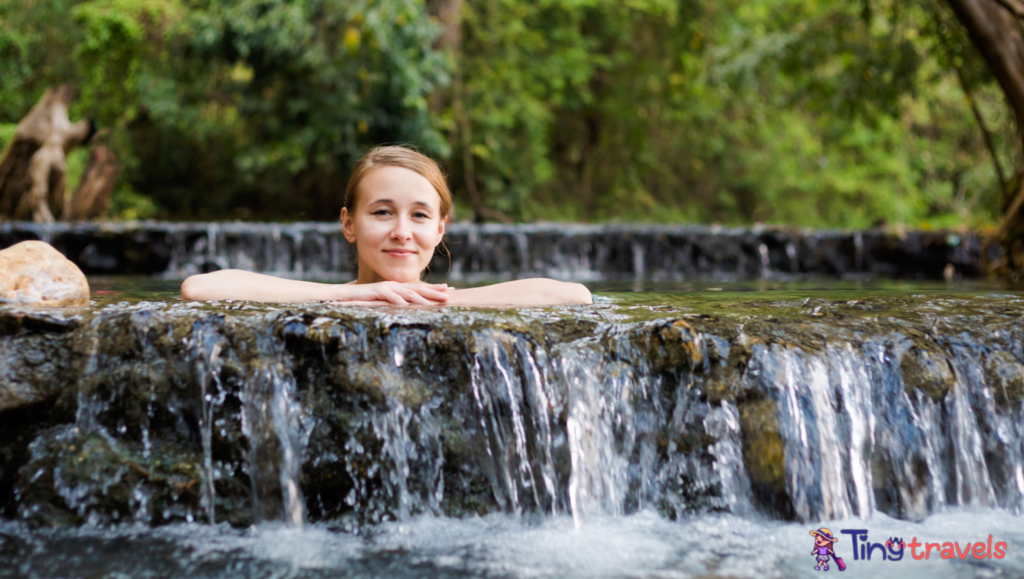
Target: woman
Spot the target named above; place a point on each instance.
(396, 205)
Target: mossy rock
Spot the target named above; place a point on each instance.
(1005, 375)
(928, 372)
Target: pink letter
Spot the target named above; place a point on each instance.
(913, 544)
(947, 551)
(962, 554)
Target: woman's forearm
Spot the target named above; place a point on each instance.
(236, 284)
(524, 292)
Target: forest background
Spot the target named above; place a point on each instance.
(822, 113)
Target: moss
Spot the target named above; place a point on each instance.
(1005, 376)
(763, 451)
(928, 372)
(76, 476)
(141, 368)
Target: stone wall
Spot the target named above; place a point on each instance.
(565, 251)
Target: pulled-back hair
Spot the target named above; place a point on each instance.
(395, 156)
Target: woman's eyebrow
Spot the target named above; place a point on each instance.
(415, 203)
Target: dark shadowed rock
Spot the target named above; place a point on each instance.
(159, 412)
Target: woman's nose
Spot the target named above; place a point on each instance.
(401, 230)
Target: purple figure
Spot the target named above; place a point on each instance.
(823, 540)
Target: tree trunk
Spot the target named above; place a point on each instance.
(448, 13)
(995, 30)
(93, 194)
(33, 169)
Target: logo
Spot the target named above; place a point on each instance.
(823, 542)
(894, 548)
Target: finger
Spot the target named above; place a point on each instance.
(414, 297)
(394, 298)
(433, 295)
(431, 291)
(373, 303)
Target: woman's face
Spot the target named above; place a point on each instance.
(395, 225)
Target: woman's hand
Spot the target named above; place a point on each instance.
(233, 284)
(394, 293)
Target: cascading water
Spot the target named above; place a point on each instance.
(563, 251)
(815, 410)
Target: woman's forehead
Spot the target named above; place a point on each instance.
(398, 185)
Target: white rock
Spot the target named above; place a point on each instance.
(34, 273)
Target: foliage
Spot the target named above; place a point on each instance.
(812, 113)
(242, 108)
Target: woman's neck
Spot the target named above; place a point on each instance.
(368, 275)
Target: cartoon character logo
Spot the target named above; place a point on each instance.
(823, 541)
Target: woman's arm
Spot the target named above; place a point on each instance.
(523, 292)
(235, 284)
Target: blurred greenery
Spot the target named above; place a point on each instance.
(808, 113)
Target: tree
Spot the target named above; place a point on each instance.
(33, 167)
(995, 28)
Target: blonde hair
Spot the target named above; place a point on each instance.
(396, 156)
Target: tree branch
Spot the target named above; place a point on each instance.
(984, 132)
(989, 144)
(1015, 9)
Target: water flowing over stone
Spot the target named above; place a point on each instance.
(808, 410)
(562, 251)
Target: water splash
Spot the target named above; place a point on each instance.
(362, 416)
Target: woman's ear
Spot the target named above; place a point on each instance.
(347, 225)
(440, 231)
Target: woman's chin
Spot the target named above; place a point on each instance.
(401, 276)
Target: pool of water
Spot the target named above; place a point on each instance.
(114, 289)
(640, 544)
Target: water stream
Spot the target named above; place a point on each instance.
(656, 434)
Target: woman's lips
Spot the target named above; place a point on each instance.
(399, 252)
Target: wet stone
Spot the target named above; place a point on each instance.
(927, 372)
(1006, 377)
(154, 412)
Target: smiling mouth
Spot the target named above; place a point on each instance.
(399, 252)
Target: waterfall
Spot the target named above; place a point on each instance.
(240, 413)
(208, 368)
(582, 252)
(278, 428)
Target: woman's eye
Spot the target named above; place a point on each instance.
(380, 212)
(421, 215)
